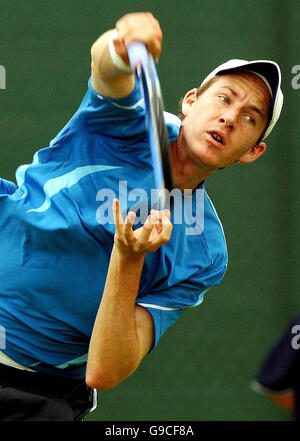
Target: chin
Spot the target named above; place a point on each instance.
(207, 159)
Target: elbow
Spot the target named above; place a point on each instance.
(101, 380)
(109, 377)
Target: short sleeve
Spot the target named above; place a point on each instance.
(166, 306)
(123, 118)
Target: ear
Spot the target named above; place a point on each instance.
(253, 153)
(188, 101)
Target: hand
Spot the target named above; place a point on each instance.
(140, 26)
(149, 238)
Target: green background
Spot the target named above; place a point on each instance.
(203, 366)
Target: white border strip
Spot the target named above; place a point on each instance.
(163, 308)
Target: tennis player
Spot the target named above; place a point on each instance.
(85, 295)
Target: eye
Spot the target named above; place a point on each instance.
(224, 99)
(250, 119)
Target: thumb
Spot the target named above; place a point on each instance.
(121, 49)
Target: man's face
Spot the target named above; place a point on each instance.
(223, 124)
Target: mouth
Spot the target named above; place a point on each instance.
(217, 138)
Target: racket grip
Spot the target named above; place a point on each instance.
(137, 54)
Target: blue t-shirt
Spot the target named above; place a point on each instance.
(56, 236)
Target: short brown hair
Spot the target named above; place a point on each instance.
(199, 92)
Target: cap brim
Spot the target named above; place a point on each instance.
(268, 69)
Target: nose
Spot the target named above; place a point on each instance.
(227, 121)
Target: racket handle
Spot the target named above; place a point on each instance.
(137, 54)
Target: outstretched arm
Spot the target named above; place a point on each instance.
(107, 78)
(123, 331)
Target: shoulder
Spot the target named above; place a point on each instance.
(109, 117)
(173, 124)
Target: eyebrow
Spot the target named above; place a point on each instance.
(230, 89)
(251, 106)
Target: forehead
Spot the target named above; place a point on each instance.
(246, 87)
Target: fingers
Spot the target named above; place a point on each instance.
(152, 235)
(161, 213)
(118, 219)
(123, 229)
(127, 227)
(142, 26)
(161, 216)
(146, 230)
(164, 228)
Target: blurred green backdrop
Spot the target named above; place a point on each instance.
(204, 364)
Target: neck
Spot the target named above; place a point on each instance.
(186, 173)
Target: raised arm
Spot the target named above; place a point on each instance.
(123, 331)
(108, 79)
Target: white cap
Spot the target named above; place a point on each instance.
(268, 71)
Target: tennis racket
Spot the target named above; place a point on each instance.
(144, 67)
